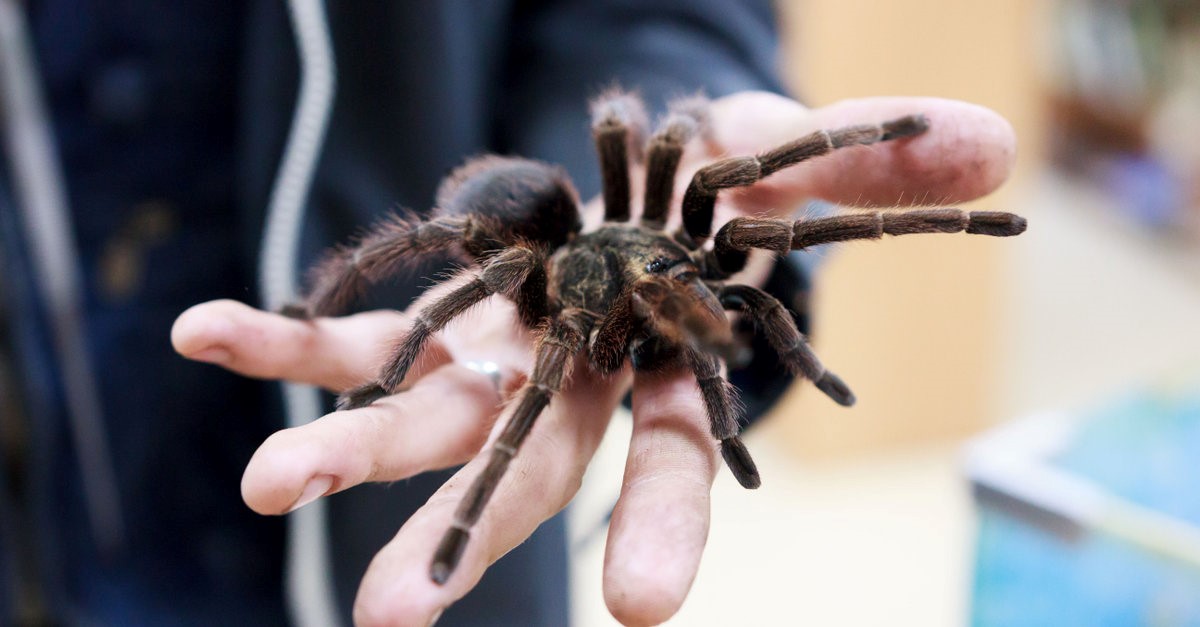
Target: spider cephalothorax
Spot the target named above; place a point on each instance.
(622, 291)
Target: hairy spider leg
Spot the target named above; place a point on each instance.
(721, 406)
(685, 119)
(343, 275)
(773, 319)
(610, 344)
(680, 317)
(692, 321)
(701, 194)
(564, 338)
(485, 205)
(686, 317)
(618, 123)
(739, 235)
(505, 273)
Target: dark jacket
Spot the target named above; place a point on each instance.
(169, 123)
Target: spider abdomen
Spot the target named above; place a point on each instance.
(511, 199)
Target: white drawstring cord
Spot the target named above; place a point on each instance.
(308, 571)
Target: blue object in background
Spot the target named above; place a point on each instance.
(1093, 549)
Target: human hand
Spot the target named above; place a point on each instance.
(660, 522)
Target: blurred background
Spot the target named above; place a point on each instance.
(1023, 450)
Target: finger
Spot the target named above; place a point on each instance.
(442, 421)
(967, 152)
(660, 523)
(545, 474)
(334, 353)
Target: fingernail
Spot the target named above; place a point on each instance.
(436, 616)
(316, 488)
(214, 355)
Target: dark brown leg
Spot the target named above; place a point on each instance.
(701, 194)
(785, 338)
(503, 274)
(686, 118)
(719, 402)
(617, 122)
(345, 273)
(682, 317)
(610, 345)
(691, 316)
(739, 235)
(563, 340)
(533, 300)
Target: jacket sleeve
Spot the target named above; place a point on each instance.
(563, 53)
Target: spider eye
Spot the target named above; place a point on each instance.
(660, 265)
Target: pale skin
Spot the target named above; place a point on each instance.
(660, 523)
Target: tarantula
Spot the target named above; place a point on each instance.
(623, 290)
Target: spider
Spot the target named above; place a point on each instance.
(624, 290)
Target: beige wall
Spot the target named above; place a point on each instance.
(910, 323)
